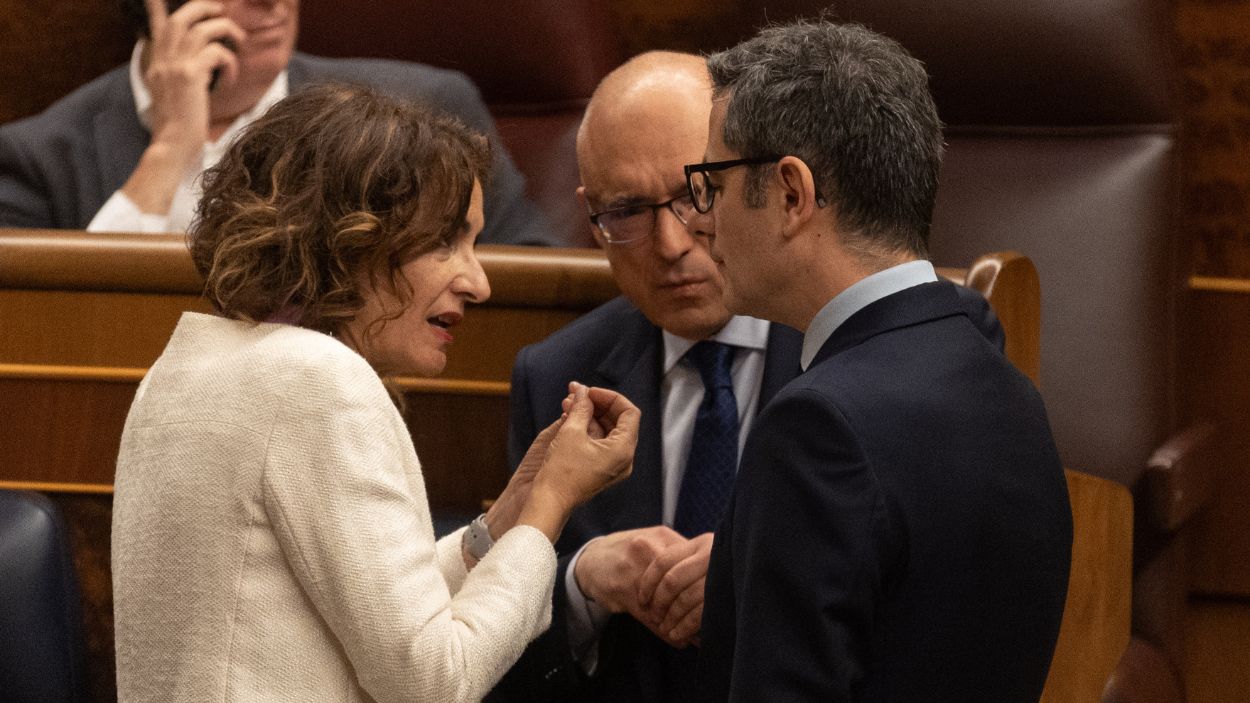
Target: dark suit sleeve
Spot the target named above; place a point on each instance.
(982, 315)
(809, 552)
(510, 217)
(521, 429)
(23, 197)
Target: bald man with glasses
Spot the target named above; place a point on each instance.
(645, 120)
(698, 373)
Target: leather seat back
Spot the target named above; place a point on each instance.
(41, 636)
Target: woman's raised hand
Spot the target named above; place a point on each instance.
(506, 510)
(593, 448)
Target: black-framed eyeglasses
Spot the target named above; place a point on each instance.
(702, 190)
(636, 221)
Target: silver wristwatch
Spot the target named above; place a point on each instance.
(477, 540)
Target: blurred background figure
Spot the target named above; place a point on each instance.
(124, 152)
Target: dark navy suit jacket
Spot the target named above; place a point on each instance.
(616, 347)
(58, 168)
(900, 527)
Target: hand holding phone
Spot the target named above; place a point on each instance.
(226, 41)
(193, 38)
(183, 51)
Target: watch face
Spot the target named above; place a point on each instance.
(477, 540)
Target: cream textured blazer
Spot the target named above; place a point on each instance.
(272, 540)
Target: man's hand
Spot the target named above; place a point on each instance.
(180, 57)
(184, 50)
(670, 591)
(608, 569)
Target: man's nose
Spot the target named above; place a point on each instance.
(701, 224)
(672, 238)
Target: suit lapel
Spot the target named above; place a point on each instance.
(119, 137)
(633, 369)
(297, 72)
(781, 360)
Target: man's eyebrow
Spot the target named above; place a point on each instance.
(624, 201)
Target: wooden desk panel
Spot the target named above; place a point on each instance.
(63, 426)
(89, 328)
(61, 430)
(82, 317)
(1095, 627)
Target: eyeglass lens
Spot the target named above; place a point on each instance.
(701, 191)
(635, 222)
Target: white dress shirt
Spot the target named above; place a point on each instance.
(120, 214)
(681, 392)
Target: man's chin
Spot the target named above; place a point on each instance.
(693, 322)
(733, 303)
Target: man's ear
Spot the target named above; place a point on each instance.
(594, 231)
(798, 191)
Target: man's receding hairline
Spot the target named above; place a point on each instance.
(650, 73)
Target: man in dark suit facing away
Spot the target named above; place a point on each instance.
(899, 528)
(645, 120)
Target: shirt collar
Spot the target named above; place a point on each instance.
(143, 98)
(864, 292)
(740, 331)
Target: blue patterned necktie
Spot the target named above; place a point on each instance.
(713, 458)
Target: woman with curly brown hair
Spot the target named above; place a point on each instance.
(271, 535)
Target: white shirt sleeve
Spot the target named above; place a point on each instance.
(120, 214)
(586, 619)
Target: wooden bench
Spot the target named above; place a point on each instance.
(82, 316)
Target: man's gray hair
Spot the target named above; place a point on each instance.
(856, 108)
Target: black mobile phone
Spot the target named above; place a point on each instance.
(229, 44)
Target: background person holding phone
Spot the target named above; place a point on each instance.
(124, 152)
